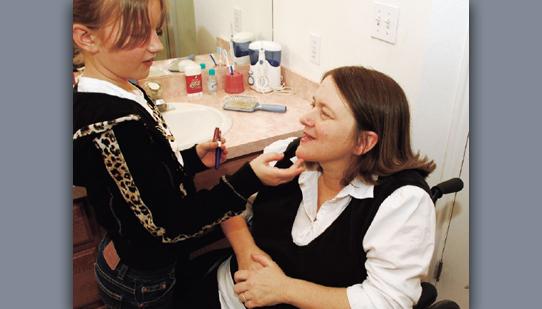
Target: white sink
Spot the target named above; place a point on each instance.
(193, 123)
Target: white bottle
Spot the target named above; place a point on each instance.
(194, 81)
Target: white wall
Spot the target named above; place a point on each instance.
(425, 60)
(214, 18)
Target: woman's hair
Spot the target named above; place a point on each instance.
(378, 104)
(132, 17)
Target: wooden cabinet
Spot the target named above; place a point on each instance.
(86, 236)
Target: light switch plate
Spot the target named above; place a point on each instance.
(385, 22)
(237, 20)
(314, 48)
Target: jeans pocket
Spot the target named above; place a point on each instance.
(115, 294)
(156, 293)
(108, 292)
(109, 280)
(109, 298)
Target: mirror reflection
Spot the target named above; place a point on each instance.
(192, 27)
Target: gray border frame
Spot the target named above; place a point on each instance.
(35, 129)
(36, 169)
(505, 103)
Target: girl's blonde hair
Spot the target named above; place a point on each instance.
(131, 16)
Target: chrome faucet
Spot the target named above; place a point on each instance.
(154, 90)
(162, 105)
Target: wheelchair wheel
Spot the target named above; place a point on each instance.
(444, 304)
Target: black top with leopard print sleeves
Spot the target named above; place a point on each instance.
(141, 194)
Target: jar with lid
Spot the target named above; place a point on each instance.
(153, 90)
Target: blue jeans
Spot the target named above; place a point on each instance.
(126, 287)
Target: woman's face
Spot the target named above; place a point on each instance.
(131, 63)
(329, 134)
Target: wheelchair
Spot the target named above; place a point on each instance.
(211, 259)
(429, 292)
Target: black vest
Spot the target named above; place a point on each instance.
(336, 257)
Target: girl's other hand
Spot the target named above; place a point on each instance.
(273, 176)
(245, 261)
(206, 152)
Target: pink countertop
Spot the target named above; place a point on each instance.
(250, 132)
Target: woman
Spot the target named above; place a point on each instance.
(142, 191)
(356, 229)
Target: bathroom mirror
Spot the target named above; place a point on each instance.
(192, 27)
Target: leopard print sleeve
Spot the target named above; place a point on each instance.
(105, 140)
(101, 127)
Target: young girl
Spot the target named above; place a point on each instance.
(141, 190)
(357, 228)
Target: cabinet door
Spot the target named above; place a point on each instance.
(82, 230)
(85, 289)
(86, 237)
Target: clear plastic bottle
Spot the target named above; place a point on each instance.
(212, 84)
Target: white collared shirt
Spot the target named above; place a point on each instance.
(310, 221)
(90, 84)
(399, 243)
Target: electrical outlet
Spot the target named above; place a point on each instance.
(314, 48)
(386, 20)
(237, 20)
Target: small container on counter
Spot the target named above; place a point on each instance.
(153, 90)
(233, 83)
(194, 82)
(212, 84)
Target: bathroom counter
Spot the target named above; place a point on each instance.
(250, 132)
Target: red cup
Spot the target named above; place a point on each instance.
(234, 83)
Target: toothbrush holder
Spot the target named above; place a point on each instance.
(234, 83)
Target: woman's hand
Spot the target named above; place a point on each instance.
(273, 176)
(206, 152)
(264, 287)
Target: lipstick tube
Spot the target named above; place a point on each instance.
(218, 150)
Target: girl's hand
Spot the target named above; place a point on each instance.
(264, 287)
(273, 176)
(245, 261)
(206, 152)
